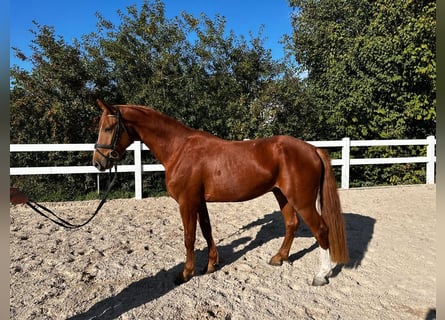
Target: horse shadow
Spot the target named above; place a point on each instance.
(359, 228)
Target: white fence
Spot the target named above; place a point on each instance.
(138, 167)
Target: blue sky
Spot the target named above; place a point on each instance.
(72, 19)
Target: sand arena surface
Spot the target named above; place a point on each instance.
(122, 265)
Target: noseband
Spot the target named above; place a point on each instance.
(120, 126)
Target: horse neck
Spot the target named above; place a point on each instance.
(161, 133)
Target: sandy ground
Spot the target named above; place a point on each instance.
(122, 265)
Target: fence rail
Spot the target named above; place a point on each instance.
(138, 167)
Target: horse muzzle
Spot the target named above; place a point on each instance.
(102, 162)
(102, 165)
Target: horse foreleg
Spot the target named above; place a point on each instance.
(291, 223)
(189, 218)
(206, 228)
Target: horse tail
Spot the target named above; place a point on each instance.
(331, 211)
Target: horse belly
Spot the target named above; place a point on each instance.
(240, 184)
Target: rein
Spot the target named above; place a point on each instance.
(62, 222)
(114, 154)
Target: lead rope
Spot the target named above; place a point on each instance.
(62, 222)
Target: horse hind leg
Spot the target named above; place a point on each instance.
(321, 278)
(319, 229)
(206, 228)
(291, 223)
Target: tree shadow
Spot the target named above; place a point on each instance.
(359, 229)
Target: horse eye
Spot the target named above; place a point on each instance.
(108, 129)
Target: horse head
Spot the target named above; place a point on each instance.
(113, 138)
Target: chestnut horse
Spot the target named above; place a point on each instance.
(200, 168)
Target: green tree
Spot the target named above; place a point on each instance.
(51, 104)
(371, 65)
(189, 67)
(371, 72)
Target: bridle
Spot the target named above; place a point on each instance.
(114, 154)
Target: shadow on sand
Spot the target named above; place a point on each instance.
(359, 229)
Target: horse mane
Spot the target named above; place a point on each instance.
(168, 120)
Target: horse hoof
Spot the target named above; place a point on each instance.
(208, 270)
(180, 279)
(276, 261)
(320, 281)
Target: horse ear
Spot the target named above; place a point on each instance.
(105, 107)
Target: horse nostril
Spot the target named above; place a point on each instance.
(97, 165)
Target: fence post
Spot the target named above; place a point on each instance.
(138, 169)
(345, 152)
(430, 154)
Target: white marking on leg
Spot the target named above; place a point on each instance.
(318, 204)
(325, 262)
(321, 278)
(326, 266)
